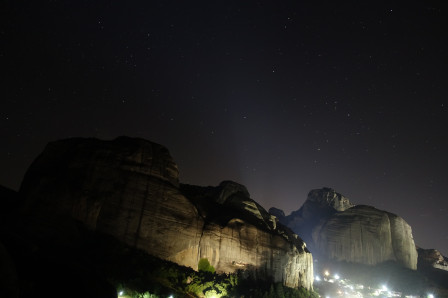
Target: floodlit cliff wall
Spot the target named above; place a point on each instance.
(366, 235)
(129, 188)
(336, 229)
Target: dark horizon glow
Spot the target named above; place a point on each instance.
(280, 97)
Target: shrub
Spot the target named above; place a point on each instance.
(204, 265)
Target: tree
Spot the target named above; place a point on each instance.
(279, 290)
(204, 265)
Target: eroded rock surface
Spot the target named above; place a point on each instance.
(432, 258)
(366, 235)
(241, 234)
(336, 229)
(129, 188)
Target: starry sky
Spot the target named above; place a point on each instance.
(281, 96)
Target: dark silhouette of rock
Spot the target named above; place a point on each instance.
(129, 188)
(432, 258)
(433, 265)
(10, 201)
(336, 229)
(277, 213)
(9, 281)
(320, 205)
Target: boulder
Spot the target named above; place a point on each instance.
(10, 202)
(129, 188)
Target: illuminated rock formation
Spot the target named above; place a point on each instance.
(129, 188)
(336, 229)
(238, 233)
(366, 235)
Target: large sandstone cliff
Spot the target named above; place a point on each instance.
(336, 229)
(129, 188)
(238, 233)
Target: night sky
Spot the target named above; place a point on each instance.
(281, 96)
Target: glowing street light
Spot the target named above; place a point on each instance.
(430, 296)
(327, 273)
(336, 276)
(317, 278)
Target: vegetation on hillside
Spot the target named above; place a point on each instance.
(137, 274)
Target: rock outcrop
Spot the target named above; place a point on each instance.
(320, 205)
(129, 188)
(432, 258)
(238, 233)
(336, 229)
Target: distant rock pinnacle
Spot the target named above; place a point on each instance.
(336, 229)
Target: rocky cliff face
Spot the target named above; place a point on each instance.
(432, 258)
(340, 231)
(366, 235)
(129, 188)
(238, 233)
